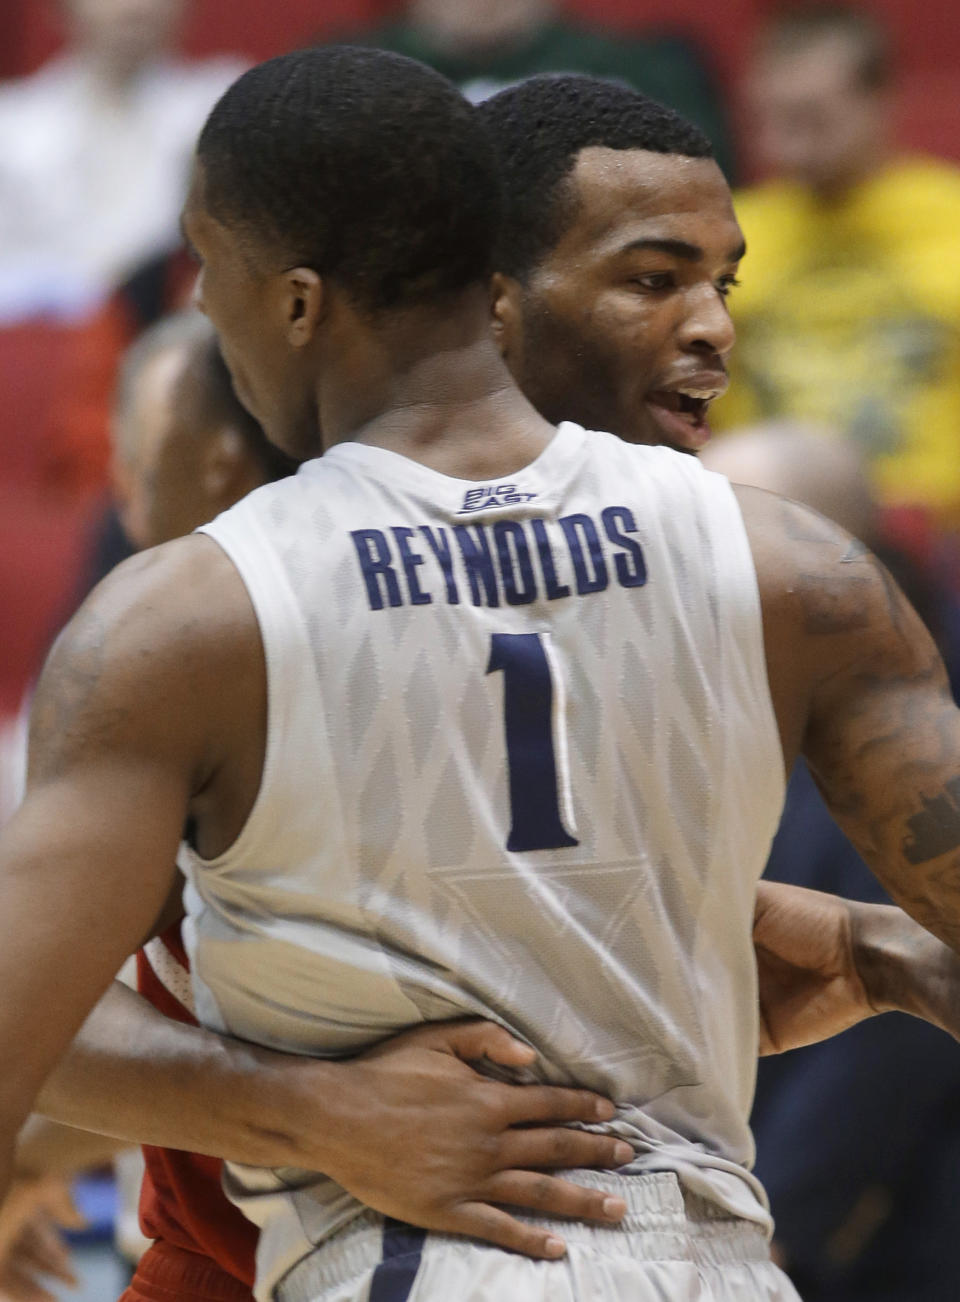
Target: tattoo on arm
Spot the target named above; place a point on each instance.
(883, 733)
(935, 830)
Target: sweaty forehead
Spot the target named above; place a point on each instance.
(624, 194)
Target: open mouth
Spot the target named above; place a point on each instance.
(682, 415)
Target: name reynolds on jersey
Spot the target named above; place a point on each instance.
(513, 561)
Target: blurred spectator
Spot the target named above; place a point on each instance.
(849, 313)
(183, 448)
(484, 45)
(858, 1138)
(76, 446)
(94, 150)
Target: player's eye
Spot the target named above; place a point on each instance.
(725, 284)
(654, 281)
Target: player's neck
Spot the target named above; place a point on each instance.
(430, 384)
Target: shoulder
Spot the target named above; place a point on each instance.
(807, 566)
(149, 659)
(182, 590)
(832, 611)
(836, 626)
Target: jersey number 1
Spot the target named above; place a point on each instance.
(535, 822)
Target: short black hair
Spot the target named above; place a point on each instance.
(366, 166)
(798, 26)
(539, 127)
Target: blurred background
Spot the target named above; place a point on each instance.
(839, 126)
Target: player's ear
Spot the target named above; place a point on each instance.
(505, 314)
(303, 304)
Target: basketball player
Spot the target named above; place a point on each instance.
(183, 453)
(184, 450)
(426, 370)
(177, 479)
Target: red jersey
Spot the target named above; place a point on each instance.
(182, 1202)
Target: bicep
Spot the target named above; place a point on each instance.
(116, 746)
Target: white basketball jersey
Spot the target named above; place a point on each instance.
(521, 764)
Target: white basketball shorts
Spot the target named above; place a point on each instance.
(670, 1247)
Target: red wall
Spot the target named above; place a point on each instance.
(927, 35)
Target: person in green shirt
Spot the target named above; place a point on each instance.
(484, 45)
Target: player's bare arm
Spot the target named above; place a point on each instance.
(152, 707)
(859, 687)
(107, 781)
(146, 1078)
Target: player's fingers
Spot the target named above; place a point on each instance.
(557, 1146)
(552, 1197)
(473, 1040)
(481, 1221)
(540, 1103)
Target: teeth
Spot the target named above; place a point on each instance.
(706, 395)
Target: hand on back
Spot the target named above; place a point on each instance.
(419, 1135)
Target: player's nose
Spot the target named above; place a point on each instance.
(707, 326)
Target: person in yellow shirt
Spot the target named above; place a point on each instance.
(849, 311)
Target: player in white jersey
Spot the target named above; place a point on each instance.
(392, 352)
(283, 1099)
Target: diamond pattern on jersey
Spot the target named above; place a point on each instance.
(690, 782)
(529, 934)
(637, 690)
(377, 886)
(586, 716)
(688, 676)
(344, 585)
(630, 815)
(422, 709)
(380, 812)
(594, 624)
(364, 692)
(447, 821)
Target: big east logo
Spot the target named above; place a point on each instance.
(488, 496)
